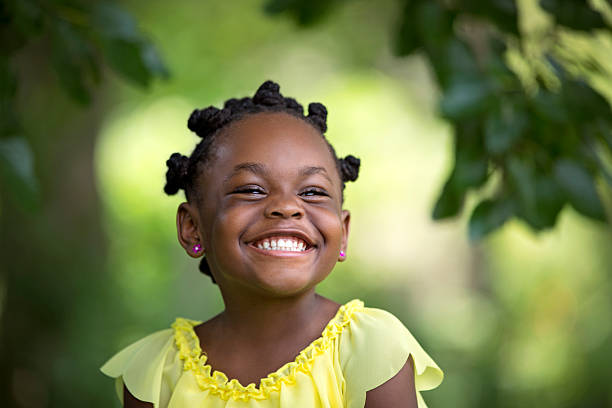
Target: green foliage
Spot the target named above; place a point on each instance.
(303, 12)
(544, 144)
(83, 37)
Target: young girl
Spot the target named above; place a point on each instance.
(264, 193)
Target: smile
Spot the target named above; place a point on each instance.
(288, 245)
(291, 244)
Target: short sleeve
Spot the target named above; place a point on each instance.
(149, 368)
(374, 349)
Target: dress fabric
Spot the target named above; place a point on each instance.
(360, 349)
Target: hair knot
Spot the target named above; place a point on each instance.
(317, 115)
(176, 174)
(268, 95)
(349, 168)
(204, 122)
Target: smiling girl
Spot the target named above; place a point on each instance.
(264, 192)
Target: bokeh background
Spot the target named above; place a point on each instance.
(90, 263)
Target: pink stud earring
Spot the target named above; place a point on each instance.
(197, 248)
(342, 254)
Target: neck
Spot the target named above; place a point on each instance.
(258, 318)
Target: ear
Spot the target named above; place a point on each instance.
(189, 235)
(346, 221)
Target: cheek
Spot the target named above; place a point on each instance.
(330, 225)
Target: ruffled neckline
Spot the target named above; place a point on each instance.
(216, 382)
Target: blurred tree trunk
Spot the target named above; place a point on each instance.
(53, 269)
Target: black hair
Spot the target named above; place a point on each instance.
(207, 123)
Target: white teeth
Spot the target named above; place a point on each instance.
(282, 244)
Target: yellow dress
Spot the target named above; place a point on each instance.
(360, 349)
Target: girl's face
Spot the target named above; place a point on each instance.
(271, 178)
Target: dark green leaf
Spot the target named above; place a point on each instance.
(488, 216)
(114, 22)
(550, 107)
(17, 171)
(574, 14)
(471, 162)
(465, 97)
(435, 24)
(303, 12)
(577, 183)
(73, 58)
(502, 13)
(503, 128)
(550, 199)
(153, 61)
(126, 57)
(450, 201)
(583, 103)
(521, 175)
(407, 39)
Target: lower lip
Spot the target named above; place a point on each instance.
(281, 254)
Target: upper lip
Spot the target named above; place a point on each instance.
(283, 233)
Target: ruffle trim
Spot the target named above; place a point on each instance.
(217, 382)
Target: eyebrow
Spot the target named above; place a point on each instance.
(261, 170)
(255, 168)
(311, 170)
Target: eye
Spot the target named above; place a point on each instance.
(250, 190)
(314, 192)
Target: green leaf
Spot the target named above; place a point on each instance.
(502, 13)
(8, 86)
(435, 23)
(408, 38)
(471, 163)
(488, 216)
(577, 183)
(583, 103)
(503, 127)
(574, 14)
(125, 48)
(73, 59)
(521, 176)
(114, 22)
(17, 172)
(450, 201)
(465, 97)
(550, 107)
(125, 57)
(153, 61)
(539, 198)
(304, 12)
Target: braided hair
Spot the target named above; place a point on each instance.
(207, 123)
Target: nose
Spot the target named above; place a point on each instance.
(284, 206)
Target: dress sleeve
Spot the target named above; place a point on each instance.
(149, 368)
(375, 348)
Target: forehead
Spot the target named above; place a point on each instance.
(278, 140)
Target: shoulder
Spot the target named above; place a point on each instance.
(374, 348)
(147, 366)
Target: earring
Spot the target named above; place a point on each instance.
(342, 254)
(197, 248)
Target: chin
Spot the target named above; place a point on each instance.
(284, 283)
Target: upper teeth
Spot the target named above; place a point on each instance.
(281, 244)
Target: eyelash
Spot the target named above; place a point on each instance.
(253, 190)
(316, 191)
(249, 190)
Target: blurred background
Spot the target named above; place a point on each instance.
(481, 217)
